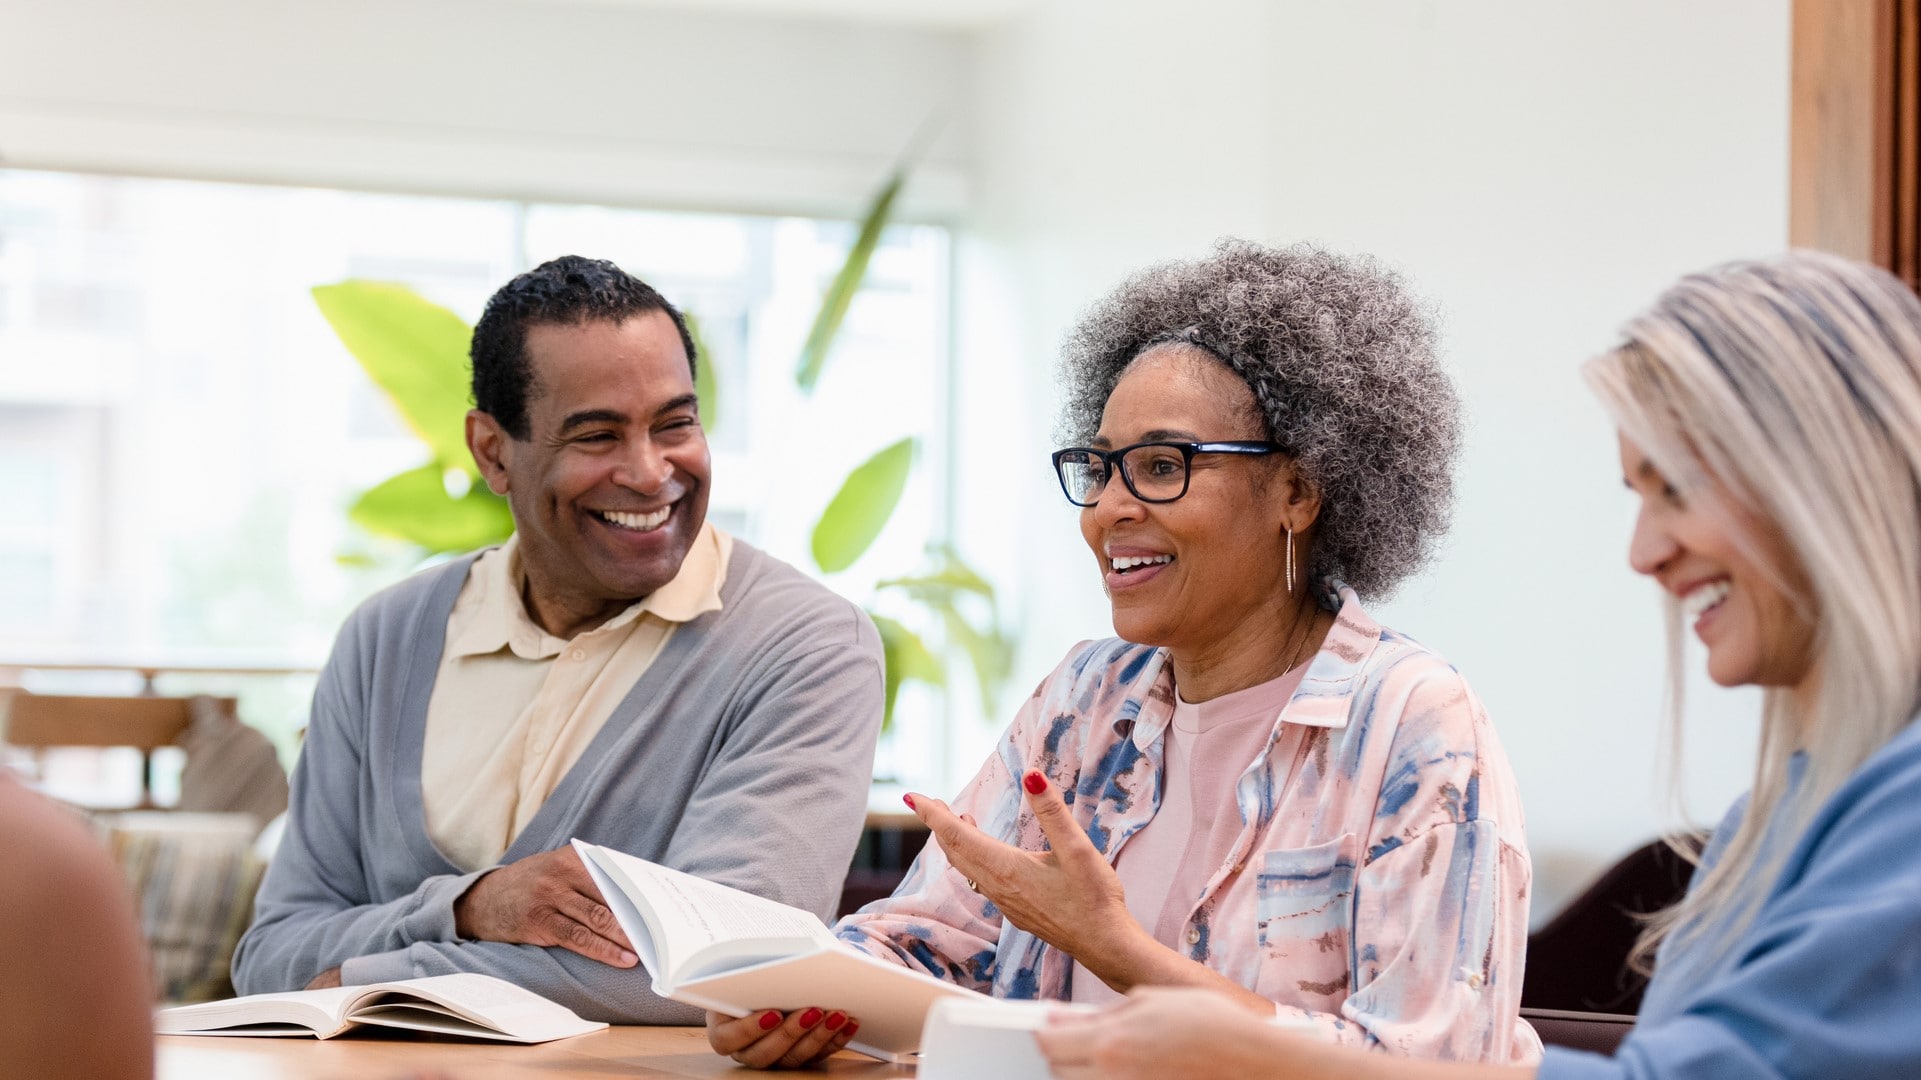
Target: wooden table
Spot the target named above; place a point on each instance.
(625, 1052)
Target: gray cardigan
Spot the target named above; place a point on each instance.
(743, 755)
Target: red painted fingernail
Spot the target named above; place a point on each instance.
(909, 800)
(835, 1020)
(1036, 783)
(851, 1028)
(810, 1018)
(769, 1021)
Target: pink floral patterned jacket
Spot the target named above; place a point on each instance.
(1378, 887)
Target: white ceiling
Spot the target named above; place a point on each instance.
(942, 14)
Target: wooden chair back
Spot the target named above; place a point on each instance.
(1596, 1033)
(45, 720)
(41, 722)
(1578, 962)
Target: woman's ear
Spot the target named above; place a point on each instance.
(1300, 499)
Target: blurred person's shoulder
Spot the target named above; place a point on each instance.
(46, 848)
(74, 992)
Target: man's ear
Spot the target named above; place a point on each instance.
(492, 447)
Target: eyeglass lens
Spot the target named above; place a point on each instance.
(1153, 472)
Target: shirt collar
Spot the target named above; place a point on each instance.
(499, 619)
(1326, 691)
(1333, 678)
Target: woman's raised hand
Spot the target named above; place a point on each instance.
(1068, 896)
(769, 1040)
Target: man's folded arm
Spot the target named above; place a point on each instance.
(313, 913)
(595, 990)
(314, 910)
(778, 813)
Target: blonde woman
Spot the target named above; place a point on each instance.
(1770, 422)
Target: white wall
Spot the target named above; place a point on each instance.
(575, 101)
(1539, 170)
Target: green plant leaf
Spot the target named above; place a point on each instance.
(415, 506)
(860, 509)
(705, 388)
(948, 592)
(945, 591)
(990, 652)
(907, 657)
(413, 349)
(840, 295)
(954, 577)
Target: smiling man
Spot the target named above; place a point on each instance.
(619, 671)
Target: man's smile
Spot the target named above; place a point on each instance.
(636, 522)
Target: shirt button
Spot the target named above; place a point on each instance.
(1193, 935)
(578, 654)
(1474, 981)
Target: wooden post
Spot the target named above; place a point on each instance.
(1855, 141)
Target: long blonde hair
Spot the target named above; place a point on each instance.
(1795, 384)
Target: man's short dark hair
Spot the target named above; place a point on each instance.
(566, 291)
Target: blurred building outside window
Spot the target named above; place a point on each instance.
(181, 432)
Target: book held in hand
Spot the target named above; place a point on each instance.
(477, 1006)
(717, 947)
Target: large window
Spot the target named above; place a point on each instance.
(180, 432)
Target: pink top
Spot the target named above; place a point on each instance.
(1166, 867)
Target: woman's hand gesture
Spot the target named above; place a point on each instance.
(1068, 896)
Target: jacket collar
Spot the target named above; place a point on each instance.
(1326, 692)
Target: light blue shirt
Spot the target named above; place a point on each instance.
(1827, 980)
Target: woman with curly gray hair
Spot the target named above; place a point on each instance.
(1255, 788)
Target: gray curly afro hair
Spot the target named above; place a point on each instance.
(1341, 361)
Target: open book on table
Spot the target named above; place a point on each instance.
(717, 947)
(478, 1006)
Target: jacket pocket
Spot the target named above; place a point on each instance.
(1305, 904)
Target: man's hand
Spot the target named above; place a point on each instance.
(1068, 896)
(545, 899)
(326, 980)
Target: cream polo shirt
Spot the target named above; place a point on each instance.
(513, 706)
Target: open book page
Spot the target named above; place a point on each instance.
(722, 949)
(299, 1012)
(468, 1004)
(694, 923)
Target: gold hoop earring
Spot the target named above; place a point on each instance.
(1290, 560)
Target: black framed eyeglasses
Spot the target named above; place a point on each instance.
(1156, 472)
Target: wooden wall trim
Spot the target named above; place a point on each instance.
(1855, 137)
(1833, 170)
(1905, 119)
